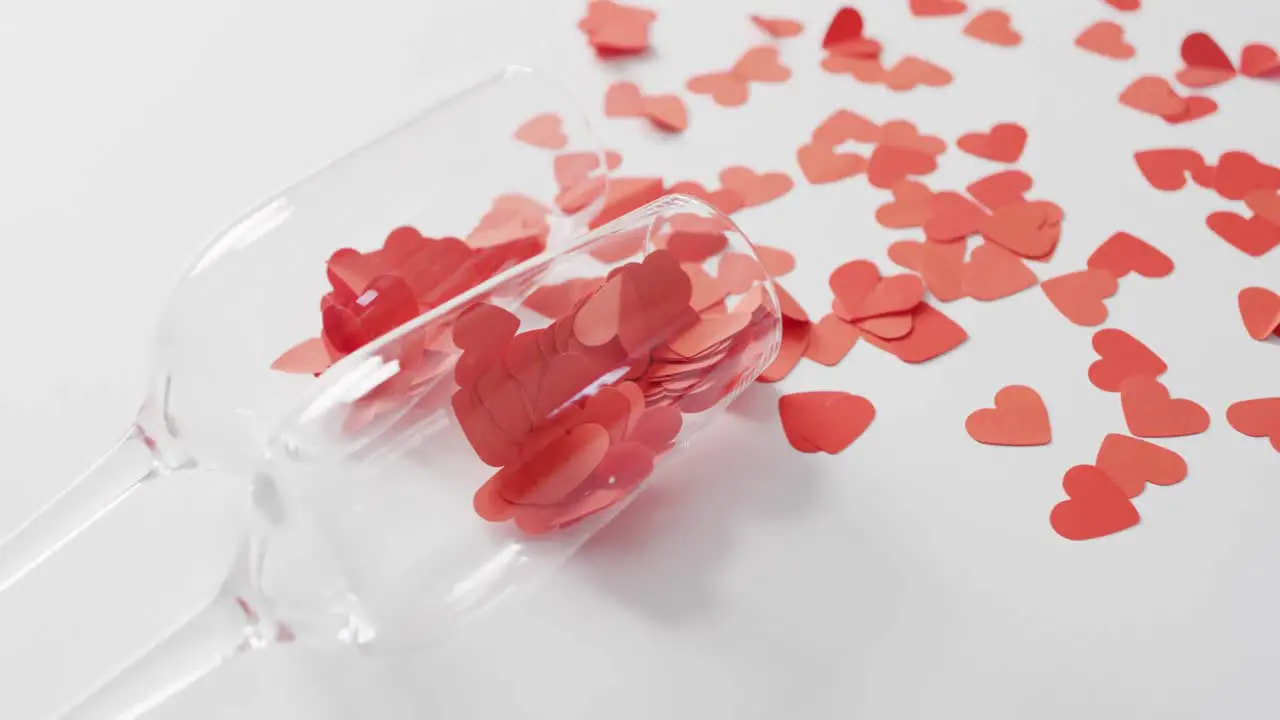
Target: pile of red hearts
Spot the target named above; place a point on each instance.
(575, 413)
(375, 292)
(1237, 176)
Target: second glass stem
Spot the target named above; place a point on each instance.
(109, 481)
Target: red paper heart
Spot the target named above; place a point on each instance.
(1004, 143)
(1154, 95)
(911, 72)
(993, 273)
(910, 208)
(846, 27)
(1096, 507)
(993, 26)
(891, 164)
(623, 99)
(1257, 418)
(761, 64)
(822, 164)
(1131, 463)
(824, 421)
(953, 216)
(1259, 61)
(778, 27)
(1029, 229)
(1123, 253)
(1120, 357)
(1260, 311)
(1079, 295)
(1151, 412)
(937, 8)
(853, 282)
(755, 188)
(1252, 236)
(1197, 106)
(1167, 169)
(543, 131)
(1105, 38)
(1239, 174)
(1019, 418)
(726, 88)
(1008, 187)
(1207, 63)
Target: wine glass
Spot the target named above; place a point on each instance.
(454, 170)
(460, 457)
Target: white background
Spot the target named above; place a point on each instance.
(914, 576)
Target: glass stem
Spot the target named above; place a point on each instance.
(225, 628)
(111, 479)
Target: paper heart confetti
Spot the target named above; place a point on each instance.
(821, 164)
(844, 125)
(1167, 169)
(1079, 295)
(1154, 95)
(992, 273)
(543, 131)
(1131, 463)
(904, 134)
(953, 216)
(893, 295)
(937, 8)
(1029, 229)
(994, 27)
(1096, 506)
(1123, 253)
(732, 88)
(1260, 61)
(778, 27)
(911, 72)
(616, 30)
(1258, 418)
(1003, 188)
(624, 194)
(1252, 235)
(889, 165)
(1151, 413)
(908, 254)
(1121, 356)
(725, 88)
(831, 339)
(910, 206)
(844, 36)
(665, 112)
(1019, 418)
(1239, 174)
(1004, 143)
(932, 334)
(1206, 62)
(826, 422)
(663, 322)
(1260, 311)
(1105, 38)
(755, 188)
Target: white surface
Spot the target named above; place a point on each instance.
(914, 576)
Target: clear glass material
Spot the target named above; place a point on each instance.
(463, 455)
(454, 171)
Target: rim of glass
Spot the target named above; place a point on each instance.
(423, 113)
(329, 378)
